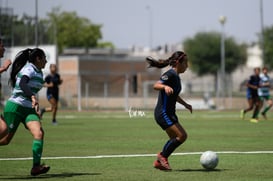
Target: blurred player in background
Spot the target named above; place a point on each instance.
(264, 92)
(26, 79)
(169, 87)
(252, 96)
(3, 68)
(53, 80)
(6, 63)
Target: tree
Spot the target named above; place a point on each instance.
(70, 30)
(66, 29)
(204, 53)
(17, 31)
(106, 45)
(268, 46)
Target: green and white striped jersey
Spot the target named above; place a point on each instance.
(264, 91)
(35, 84)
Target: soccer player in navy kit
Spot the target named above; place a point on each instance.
(169, 87)
(53, 80)
(252, 96)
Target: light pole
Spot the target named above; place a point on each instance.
(151, 25)
(222, 20)
(36, 23)
(262, 30)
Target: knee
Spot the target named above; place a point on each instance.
(182, 137)
(54, 106)
(4, 142)
(39, 135)
(3, 128)
(3, 131)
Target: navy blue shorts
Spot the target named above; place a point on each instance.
(49, 96)
(165, 121)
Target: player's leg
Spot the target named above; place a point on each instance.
(47, 109)
(11, 121)
(54, 106)
(37, 132)
(268, 106)
(177, 135)
(257, 103)
(3, 127)
(5, 140)
(250, 107)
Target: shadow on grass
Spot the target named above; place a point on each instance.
(47, 176)
(200, 170)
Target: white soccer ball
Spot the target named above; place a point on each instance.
(209, 160)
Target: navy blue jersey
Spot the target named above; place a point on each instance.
(166, 103)
(56, 80)
(254, 80)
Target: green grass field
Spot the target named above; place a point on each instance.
(114, 133)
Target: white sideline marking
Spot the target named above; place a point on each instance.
(135, 155)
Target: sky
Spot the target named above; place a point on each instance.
(142, 23)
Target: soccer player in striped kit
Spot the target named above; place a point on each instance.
(264, 91)
(169, 87)
(26, 79)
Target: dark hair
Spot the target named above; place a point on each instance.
(178, 55)
(24, 56)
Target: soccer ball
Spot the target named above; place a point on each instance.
(209, 160)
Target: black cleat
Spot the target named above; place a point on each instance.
(40, 169)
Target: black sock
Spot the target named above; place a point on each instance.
(169, 147)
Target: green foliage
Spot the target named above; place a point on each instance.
(66, 29)
(17, 31)
(106, 45)
(268, 46)
(204, 53)
(70, 30)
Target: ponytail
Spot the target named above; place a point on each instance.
(19, 62)
(24, 56)
(176, 56)
(157, 63)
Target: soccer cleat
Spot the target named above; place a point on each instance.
(264, 115)
(54, 122)
(40, 169)
(254, 120)
(163, 161)
(242, 114)
(158, 165)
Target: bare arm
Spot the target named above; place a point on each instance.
(159, 86)
(48, 84)
(61, 81)
(5, 66)
(252, 86)
(186, 105)
(266, 84)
